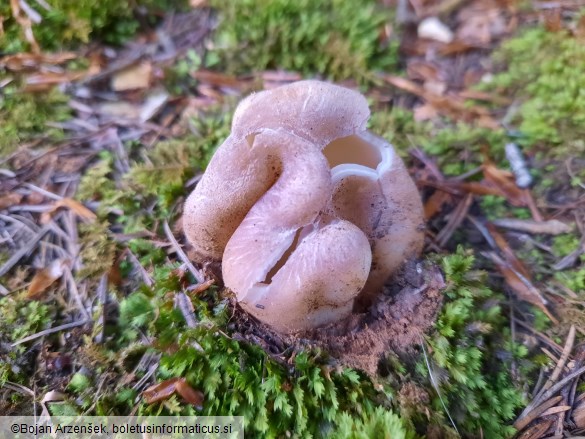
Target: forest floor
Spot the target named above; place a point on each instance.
(108, 117)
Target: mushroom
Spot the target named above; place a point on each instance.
(306, 209)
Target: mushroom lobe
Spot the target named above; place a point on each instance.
(306, 209)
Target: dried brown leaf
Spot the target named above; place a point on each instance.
(165, 389)
(423, 71)
(160, 391)
(79, 209)
(436, 202)
(44, 278)
(216, 79)
(507, 251)
(135, 77)
(457, 47)
(199, 288)
(504, 181)
(32, 61)
(189, 394)
(449, 105)
(521, 286)
(47, 80)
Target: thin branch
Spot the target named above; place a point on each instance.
(186, 308)
(436, 386)
(554, 389)
(50, 331)
(75, 292)
(24, 250)
(181, 254)
(523, 421)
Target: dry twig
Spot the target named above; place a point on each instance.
(181, 254)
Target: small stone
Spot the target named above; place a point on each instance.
(433, 29)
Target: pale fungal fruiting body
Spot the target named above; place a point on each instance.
(306, 209)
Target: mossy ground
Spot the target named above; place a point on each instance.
(471, 374)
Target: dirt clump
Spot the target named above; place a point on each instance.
(396, 322)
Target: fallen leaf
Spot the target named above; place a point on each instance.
(507, 251)
(79, 209)
(189, 394)
(449, 104)
(137, 76)
(504, 182)
(457, 47)
(521, 286)
(32, 61)
(44, 278)
(475, 187)
(423, 71)
(436, 202)
(47, 80)
(165, 389)
(216, 79)
(160, 391)
(193, 290)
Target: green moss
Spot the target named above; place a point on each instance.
(379, 424)
(20, 318)
(565, 244)
(69, 22)
(470, 354)
(494, 207)
(343, 43)
(546, 70)
(23, 116)
(574, 279)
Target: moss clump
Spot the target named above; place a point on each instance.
(547, 70)
(343, 43)
(305, 396)
(20, 319)
(24, 116)
(471, 352)
(69, 22)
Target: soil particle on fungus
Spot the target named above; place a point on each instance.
(395, 322)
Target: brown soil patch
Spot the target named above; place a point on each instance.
(396, 322)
